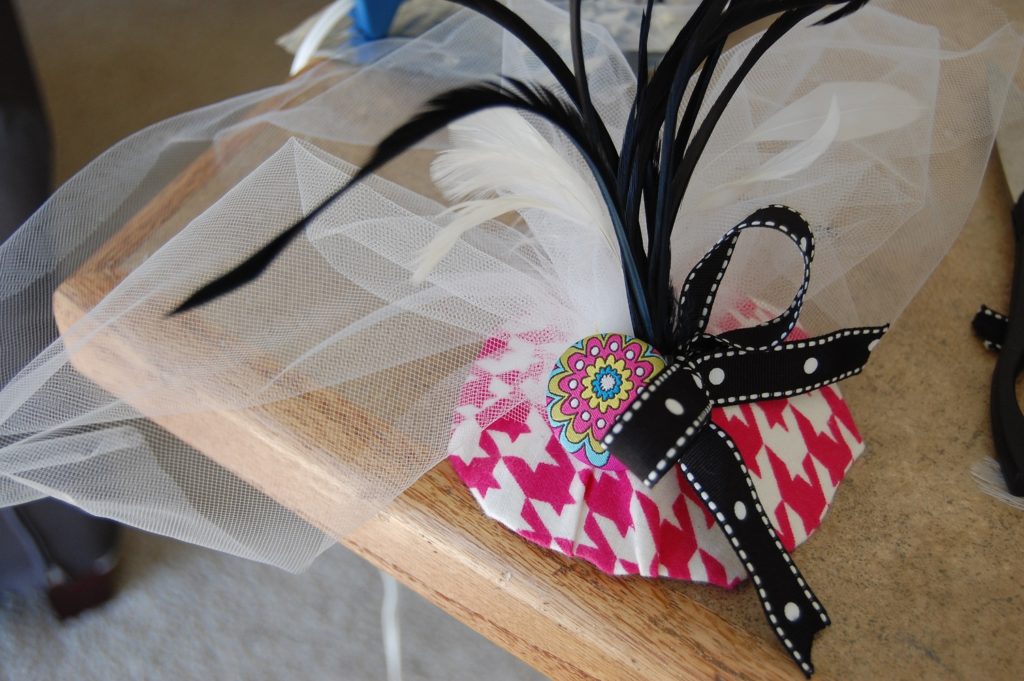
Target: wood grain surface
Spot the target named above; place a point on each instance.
(918, 568)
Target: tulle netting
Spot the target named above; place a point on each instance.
(336, 352)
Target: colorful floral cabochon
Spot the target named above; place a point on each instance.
(591, 387)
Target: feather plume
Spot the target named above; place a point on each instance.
(329, 17)
(500, 163)
(443, 110)
(785, 164)
(662, 145)
(469, 214)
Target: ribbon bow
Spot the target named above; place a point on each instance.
(663, 419)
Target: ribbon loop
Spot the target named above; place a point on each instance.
(700, 289)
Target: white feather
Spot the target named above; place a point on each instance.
(865, 109)
(990, 480)
(469, 214)
(798, 157)
(328, 18)
(501, 164)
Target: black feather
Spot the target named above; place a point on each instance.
(439, 113)
(248, 270)
(850, 7)
(578, 66)
(643, 55)
(681, 179)
(514, 24)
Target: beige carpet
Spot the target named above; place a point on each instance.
(108, 68)
(185, 613)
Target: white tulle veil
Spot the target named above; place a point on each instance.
(339, 312)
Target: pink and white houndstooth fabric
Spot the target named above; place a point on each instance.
(797, 450)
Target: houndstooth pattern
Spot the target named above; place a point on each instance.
(797, 450)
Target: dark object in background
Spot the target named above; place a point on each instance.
(43, 543)
(1007, 417)
(24, 137)
(1005, 334)
(47, 544)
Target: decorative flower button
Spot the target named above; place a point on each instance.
(592, 383)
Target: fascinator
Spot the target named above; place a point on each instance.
(623, 321)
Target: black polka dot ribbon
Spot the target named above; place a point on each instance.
(669, 422)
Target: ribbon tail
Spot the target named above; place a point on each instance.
(713, 466)
(670, 424)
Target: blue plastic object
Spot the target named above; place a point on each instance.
(372, 18)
